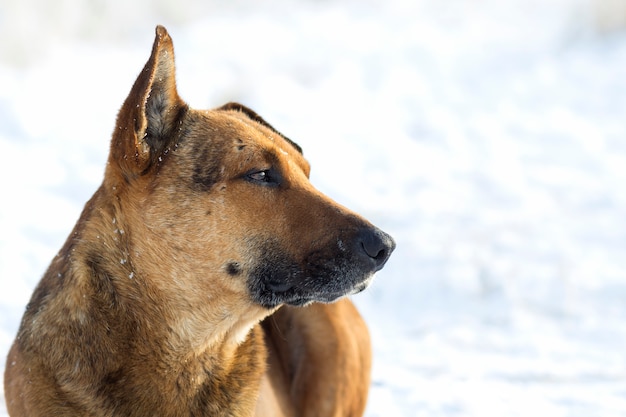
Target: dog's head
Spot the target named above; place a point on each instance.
(224, 202)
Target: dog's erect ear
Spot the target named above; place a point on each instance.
(147, 122)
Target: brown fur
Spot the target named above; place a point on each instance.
(204, 225)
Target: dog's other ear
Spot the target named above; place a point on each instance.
(147, 122)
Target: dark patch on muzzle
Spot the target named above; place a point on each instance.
(345, 265)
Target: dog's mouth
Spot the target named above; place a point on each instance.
(302, 295)
(307, 291)
(330, 297)
(324, 275)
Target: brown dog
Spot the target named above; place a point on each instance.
(205, 224)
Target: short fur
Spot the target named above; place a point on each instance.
(205, 225)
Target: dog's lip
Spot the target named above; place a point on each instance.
(278, 287)
(327, 296)
(362, 286)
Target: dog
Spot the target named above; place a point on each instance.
(205, 277)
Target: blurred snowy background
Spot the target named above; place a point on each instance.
(487, 136)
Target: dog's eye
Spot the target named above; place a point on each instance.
(260, 176)
(264, 177)
(269, 176)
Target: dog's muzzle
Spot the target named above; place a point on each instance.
(325, 274)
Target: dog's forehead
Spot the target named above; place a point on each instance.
(248, 125)
(239, 130)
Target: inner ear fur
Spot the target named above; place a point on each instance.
(146, 123)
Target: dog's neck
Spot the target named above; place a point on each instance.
(178, 359)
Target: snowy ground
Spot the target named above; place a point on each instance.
(489, 137)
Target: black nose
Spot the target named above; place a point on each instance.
(376, 245)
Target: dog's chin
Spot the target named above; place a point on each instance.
(301, 297)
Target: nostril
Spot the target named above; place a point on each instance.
(373, 250)
(377, 245)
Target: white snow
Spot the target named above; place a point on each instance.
(488, 137)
